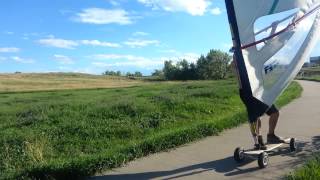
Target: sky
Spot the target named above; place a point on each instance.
(92, 36)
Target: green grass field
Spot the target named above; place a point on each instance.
(310, 171)
(74, 133)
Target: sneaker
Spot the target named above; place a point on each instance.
(273, 139)
(261, 143)
(256, 147)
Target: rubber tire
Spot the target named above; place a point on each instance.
(239, 154)
(263, 160)
(293, 145)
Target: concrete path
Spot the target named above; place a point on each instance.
(212, 158)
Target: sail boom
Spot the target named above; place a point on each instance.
(291, 25)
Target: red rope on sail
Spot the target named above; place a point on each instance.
(283, 30)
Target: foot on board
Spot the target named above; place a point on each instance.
(261, 145)
(274, 139)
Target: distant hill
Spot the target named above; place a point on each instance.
(309, 71)
(58, 81)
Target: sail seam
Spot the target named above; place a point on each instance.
(274, 5)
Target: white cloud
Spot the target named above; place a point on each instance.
(9, 50)
(126, 60)
(193, 7)
(99, 43)
(71, 44)
(140, 33)
(22, 60)
(216, 11)
(59, 43)
(138, 61)
(138, 43)
(104, 16)
(117, 57)
(148, 63)
(191, 57)
(27, 36)
(63, 59)
(178, 56)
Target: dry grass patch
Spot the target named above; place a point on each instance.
(59, 81)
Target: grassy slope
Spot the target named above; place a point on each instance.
(72, 133)
(310, 171)
(56, 81)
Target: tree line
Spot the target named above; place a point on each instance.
(118, 73)
(215, 65)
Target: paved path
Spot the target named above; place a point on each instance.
(212, 158)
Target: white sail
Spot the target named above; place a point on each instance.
(272, 40)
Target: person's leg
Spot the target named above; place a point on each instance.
(259, 127)
(274, 114)
(254, 118)
(273, 121)
(255, 128)
(260, 138)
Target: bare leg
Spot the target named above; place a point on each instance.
(259, 127)
(255, 130)
(273, 120)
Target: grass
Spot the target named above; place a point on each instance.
(310, 171)
(70, 134)
(59, 81)
(310, 74)
(311, 78)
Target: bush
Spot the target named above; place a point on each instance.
(112, 73)
(158, 73)
(214, 66)
(136, 74)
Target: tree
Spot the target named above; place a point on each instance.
(202, 68)
(170, 71)
(183, 67)
(137, 74)
(193, 75)
(112, 73)
(158, 73)
(129, 74)
(215, 65)
(218, 64)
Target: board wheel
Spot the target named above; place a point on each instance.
(293, 145)
(263, 160)
(238, 154)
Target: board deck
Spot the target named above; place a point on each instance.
(270, 147)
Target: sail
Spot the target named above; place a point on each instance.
(272, 39)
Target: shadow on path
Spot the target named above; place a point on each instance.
(222, 166)
(226, 166)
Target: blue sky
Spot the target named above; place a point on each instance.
(92, 36)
